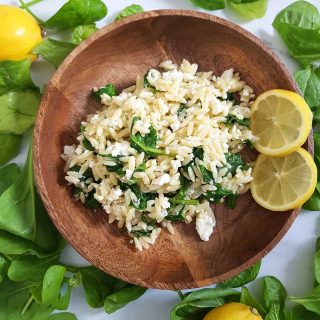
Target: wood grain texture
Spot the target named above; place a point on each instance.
(116, 54)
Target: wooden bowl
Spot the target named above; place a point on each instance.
(117, 54)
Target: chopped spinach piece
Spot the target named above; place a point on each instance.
(250, 144)
(141, 167)
(91, 201)
(146, 83)
(117, 167)
(86, 175)
(217, 195)
(234, 160)
(232, 119)
(76, 191)
(179, 198)
(142, 198)
(231, 96)
(206, 174)
(179, 216)
(87, 144)
(109, 89)
(231, 201)
(198, 153)
(149, 221)
(182, 111)
(141, 233)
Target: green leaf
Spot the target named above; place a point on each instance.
(8, 175)
(108, 89)
(231, 200)
(9, 147)
(234, 160)
(122, 297)
(18, 111)
(317, 261)
(242, 1)
(63, 316)
(218, 194)
(53, 51)
(15, 75)
(242, 278)
(250, 9)
(4, 265)
(309, 83)
(249, 300)
(313, 204)
(77, 12)
(30, 268)
(231, 120)
(22, 212)
(274, 297)
(311, 301)
(82, 33)
(298, 26)
(300, 313)
(129, 11)
(210, 4)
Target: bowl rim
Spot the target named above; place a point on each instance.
(44, 105)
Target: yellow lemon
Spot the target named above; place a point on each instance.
(281, 120)
(19, 33)
(233, 311)
(284, 183)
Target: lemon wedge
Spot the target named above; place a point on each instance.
(281, 120)
(284, 183)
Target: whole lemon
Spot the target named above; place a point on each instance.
(19, 33)
(233, 311)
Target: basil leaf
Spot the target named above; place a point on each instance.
(15, 75)
(249, 300)
(82, 33)
(9, 147)
(8, 175)
(53, 51)
(250, 9)
(77, 12)
(274, 296)
(4, 265)
(300, 313)
(242, 278)
(309, 83)
(210, 4)
(30, 268)
(129, 11)
(311, 301)
(122, 297)
(298, 27)
(18, 111)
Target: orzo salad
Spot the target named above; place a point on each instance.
(163, 150)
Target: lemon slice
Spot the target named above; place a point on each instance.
(281, 120)
(284, 183)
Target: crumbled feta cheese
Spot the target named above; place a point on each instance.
(119, 148)
(161, 180)
(205, 223)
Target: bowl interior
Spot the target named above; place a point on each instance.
(117, 54)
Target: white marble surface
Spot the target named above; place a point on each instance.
(291, 260)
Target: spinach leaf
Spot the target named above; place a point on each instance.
(250, 144)
(242, 278)
(142, 198)
(77, 12)
(62, 316)
(210, 4)
(249, 300)
(231, 120)
(4, 265)
(300, 313)
(313, 204)
(206, 174)
(22, 212)
(274, 296)
(9, 147)
(109, 89)
(122, 297)
(179, 216)
(91, 201)
(15, 75)
(18, 111)
(129, 11)
(309, 83)
(311, 301)
(234, 160)
(30, 268)
(141, 233)
(147, 84)
(146, 144)
(180, 197)
(250, 9)
(317, 261)
(53, 51)
(231, 201)
(218, 194)
(87, 144)
(298, 27)
(82, 33)
(181, 112)
(8, 175)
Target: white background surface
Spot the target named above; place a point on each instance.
(292, 259)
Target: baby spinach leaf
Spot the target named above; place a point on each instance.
(53, 51)
(8, 175)
(15, 75)
(180, 197)
(77, 12)
(249, 300)
(62, 316)
(9, 147)
(210, 4)
(231, 120)
(122, 297)
(317, 261)
(234, 160)
(91, 201)
(30, 268)
(82, 33)
(242, 278)
(129, 11)
(231, 200)
(313, 204)
(274, 297)
(218, 194)
(309, 83)
(311, 301)
(142, 198)
(300, 313)
(4, 265)
(206, 174)
(250, 9)
(18, 111)
(109, 89)
(87, 144)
